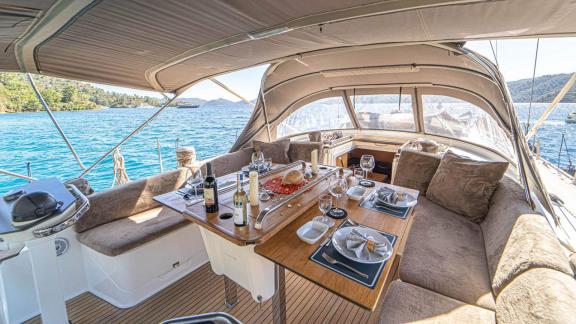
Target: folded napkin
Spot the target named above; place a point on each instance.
(387, 195)
(364, 246)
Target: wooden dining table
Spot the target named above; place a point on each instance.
(280, 244)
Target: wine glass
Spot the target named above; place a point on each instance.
(338, 186)
(268, 164)
(257, 160)
(358, 174)
(367, 163)
(194, 178)
(325, 204)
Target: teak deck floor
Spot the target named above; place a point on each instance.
(202, 291)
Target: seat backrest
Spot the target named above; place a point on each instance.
(128, 199)
(517, 238)
(303, 151)
(538, 296)
(230, 162)
(415, 169)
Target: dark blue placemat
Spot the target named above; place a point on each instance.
(373, 270)
(400, 212)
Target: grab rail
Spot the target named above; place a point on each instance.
(80, 211)
(264, 212)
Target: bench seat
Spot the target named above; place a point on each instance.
(122, 235)
(510, 264)
(409, 303)
(445, 253)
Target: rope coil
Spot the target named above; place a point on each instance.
(186, 157)
(120, 175)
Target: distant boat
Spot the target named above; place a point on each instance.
(188, 106)
(571, 119)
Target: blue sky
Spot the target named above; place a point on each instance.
(515, 58)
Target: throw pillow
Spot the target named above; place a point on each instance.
(464, 185)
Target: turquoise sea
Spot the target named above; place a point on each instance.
(210, 129)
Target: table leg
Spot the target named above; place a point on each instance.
(231, 292)
(279, 298)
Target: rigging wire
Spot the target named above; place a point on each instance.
(495, 53)
(400, 100)
(564, 144)
(532, 87)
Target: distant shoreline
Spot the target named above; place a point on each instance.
(72, 110)
(103, 108)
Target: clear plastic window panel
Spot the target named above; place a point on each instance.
(455, 118)
(384, 111)
(323, 114)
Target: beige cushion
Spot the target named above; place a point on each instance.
(315, 136)
(517, 239)
(538, 296)
(303, 150)
(128, 233)
(129, 199)
(416, 169)
(278, 150)
(408, 303)
(231, 162)
(465, 186)
(445, 253)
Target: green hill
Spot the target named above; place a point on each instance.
(546, 88)
(16, 95)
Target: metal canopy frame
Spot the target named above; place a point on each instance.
(85, 169)
(129, 136)
(54, 121)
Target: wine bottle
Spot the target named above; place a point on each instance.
(210, 191)
(240, 212)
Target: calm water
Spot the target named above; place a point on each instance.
(211, 130)
(32, 137)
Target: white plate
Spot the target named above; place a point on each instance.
(312, 231)
(339, 241)
(407, 201)
(356, 192)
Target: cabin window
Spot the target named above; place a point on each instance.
(323, 114)
(455, 118)
(384, 111)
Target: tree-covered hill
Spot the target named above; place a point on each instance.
(546, 88)
(16, 95)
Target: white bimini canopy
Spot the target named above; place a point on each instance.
(169, 45)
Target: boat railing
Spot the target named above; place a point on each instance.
(16, 175)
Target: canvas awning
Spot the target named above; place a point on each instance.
(440, 69)
(169, 45)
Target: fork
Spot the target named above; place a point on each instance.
(331, 260)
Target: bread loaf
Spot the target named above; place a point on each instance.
(293, 177)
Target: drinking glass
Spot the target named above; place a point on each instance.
(325, 204)
(257, 159)
(367, 163)
(268, 163)
(358, 174)
(338, 186)
(194, 178)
